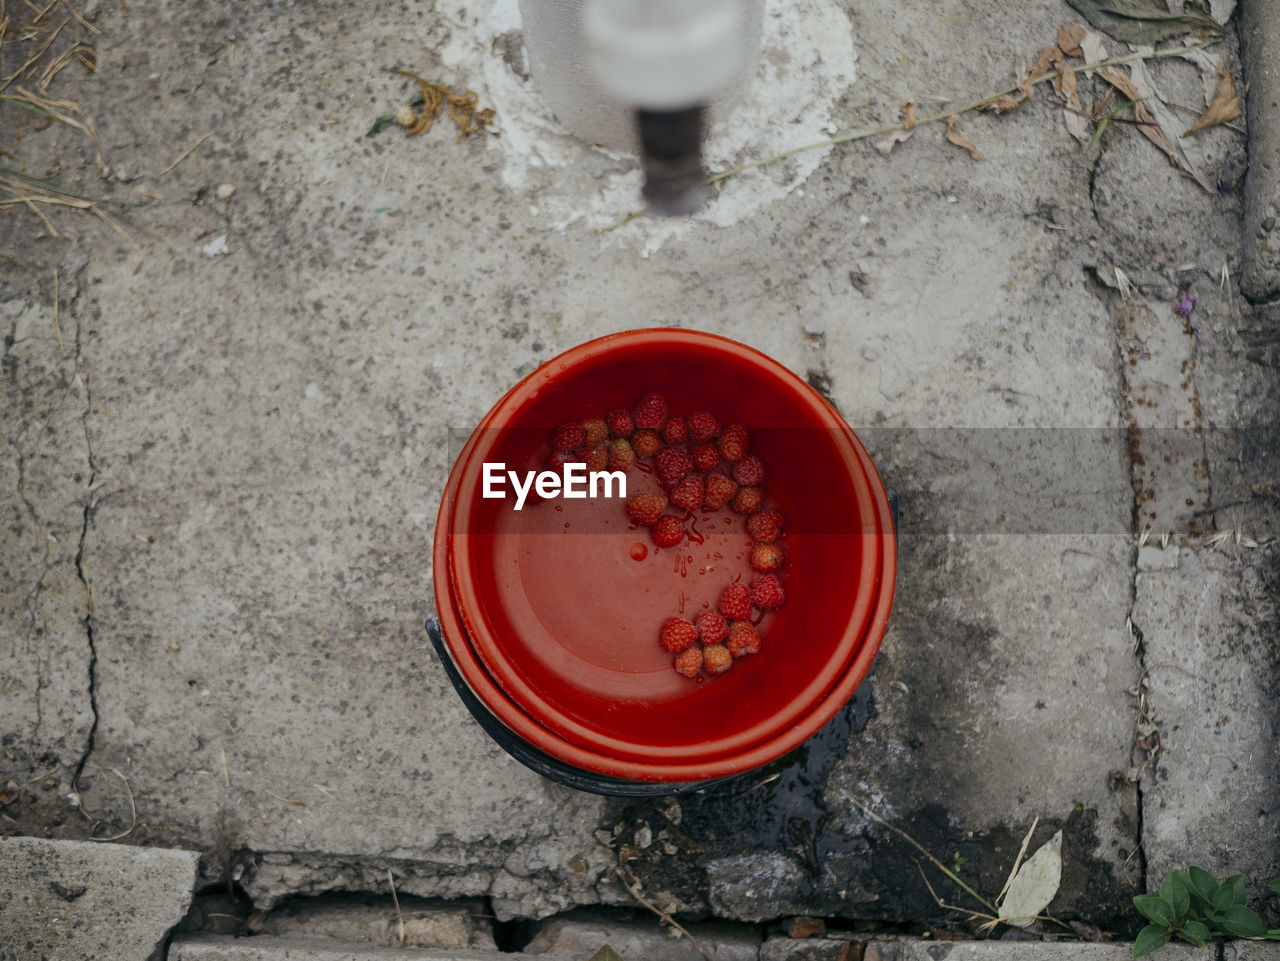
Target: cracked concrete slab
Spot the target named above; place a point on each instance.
(209, 948)
(45, 478)
(1208, 628)
(84, 901)
(275, 369)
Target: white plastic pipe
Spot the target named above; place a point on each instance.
(596, 61)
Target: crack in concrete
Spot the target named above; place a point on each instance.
(89, 504)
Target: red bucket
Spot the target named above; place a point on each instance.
(550, 614)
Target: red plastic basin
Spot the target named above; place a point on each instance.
(553, 621)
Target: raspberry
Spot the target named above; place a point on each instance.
(620, 422)
(706, 457)
(621, 456)
(749, 472)
(597, 432)
(558, 459)
(743, 639)
(688, 493)
(668, 532)
(646, 508)
(766, 558)
(712, 628)
(673, 463)
(596, 458)
(733, 442)
(702, 426)
(767, 593)
(689, 661)
(651, 413)
(717, 659)
(646, 443)
(720, 491)
(747, 500)
(677, 634)
(765, 526)
(735, 602)
(675, 432)
(568, 437)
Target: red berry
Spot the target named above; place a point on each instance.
(675, 432)
(596, 458)
(597, 432)
(712, 628)
(621, 456)
(702, 426)
(668, 532)
(747, 500)
(620, 422)
(733, 442)
(766, 526)
(744, 639)
(677, 634)
(720, 491)
(646, 508)
(651, 414)
(673, 463)
(749, 472)
(767, 593)
(688, 493)
(706, 457)
(689, 661)
(735, 602)
(568, 437)
(558, 459)
(717, 659)
(766, 558)
(646, 443)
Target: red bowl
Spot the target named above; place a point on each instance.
(553, 621)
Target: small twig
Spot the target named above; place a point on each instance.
(936, 863)
(26, 784)
(186, 153)
(133, 812)
(226, 775)
(1017, 862)
(399, 917)
(287, 800)
(632, 885)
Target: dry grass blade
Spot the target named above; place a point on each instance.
(1017, 862)
(399, 917)
(51, 109)
(186, 153)
(632, 885)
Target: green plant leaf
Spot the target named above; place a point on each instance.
(1173, 892)
(1243, 922)
(1154, 908)
(1274, 885)
(1223, 898)
(1235, 884)
(1203, 883)
(1196, 933)
(1149, 938)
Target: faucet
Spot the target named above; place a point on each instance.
(643, 75)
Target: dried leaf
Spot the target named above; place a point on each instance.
(1146, 123)
(909, 118)
(960, 141)
(1035, 884)
(1144, 21)
(1073, 113)
(1221, 10)
(1069, 38)
(1095, 51)
(1006, 102)
(1225, 105)
(886, 145)
(1191, 155)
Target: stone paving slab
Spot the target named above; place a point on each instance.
(83, 901)
(1044, 951)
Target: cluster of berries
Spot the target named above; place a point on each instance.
(701, 466)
